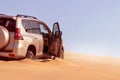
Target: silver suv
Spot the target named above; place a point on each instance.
(25, 36)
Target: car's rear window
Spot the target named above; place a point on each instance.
(8, 23)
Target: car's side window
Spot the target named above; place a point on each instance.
(56, 29)
(31, 26)
(43, 29)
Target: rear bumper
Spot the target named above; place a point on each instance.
(11, 55)
(8, 55)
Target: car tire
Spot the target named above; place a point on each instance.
(30, 55)
(4, 37)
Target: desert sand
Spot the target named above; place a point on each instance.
(73, 67)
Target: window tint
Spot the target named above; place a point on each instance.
(31, 26)
(26, 24)
(56, 29)
(8, 23)
(43, 29)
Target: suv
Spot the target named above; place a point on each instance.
(25, 36)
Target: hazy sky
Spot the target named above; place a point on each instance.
(89, 26)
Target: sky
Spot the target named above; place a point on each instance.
(88, 26)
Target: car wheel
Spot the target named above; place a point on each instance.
(30, 55)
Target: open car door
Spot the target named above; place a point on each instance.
(57, 46)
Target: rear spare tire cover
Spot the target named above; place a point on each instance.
(4, 37)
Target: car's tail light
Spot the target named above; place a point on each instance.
(11, 55)
(18, 35)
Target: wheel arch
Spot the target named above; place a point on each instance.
(32, 48)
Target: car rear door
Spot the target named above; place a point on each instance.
(33, 32)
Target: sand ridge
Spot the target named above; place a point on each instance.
(73, 67)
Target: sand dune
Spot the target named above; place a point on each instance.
(73, 67)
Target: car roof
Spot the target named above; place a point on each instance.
(24, 17)
(7, 16)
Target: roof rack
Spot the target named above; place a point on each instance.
(26, 16)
